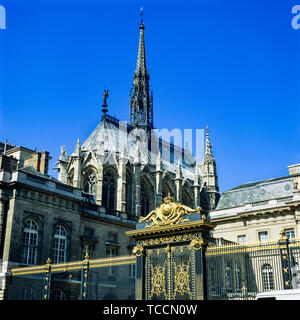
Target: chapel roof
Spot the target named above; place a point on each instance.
(108, 136)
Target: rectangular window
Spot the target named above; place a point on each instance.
(263, 236)
(290, 233)
(30, 243)
(59, 249)
(110, 253)
(29, 255)
(241, 239)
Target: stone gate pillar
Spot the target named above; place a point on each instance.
(170, 250)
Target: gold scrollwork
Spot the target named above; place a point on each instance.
(181, 279)
(138, 250)
(158, 280)
(175, 238)
(168, 213)
(197, 243)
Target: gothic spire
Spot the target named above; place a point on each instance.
(141, 101)
(141, 59)
(208, 151)
(209, 175)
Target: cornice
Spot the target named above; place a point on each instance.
(256, 212)
(172, 229)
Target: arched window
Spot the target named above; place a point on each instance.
(109, 191)
(145, 203)
(186, 200)
(70, 178)
(29, 242)
(89, 183)
(168, 187)
(129, 194)
(166, 190)
(59, 244)
(267, 277)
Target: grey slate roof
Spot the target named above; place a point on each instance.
(106, 137)
(258, 191)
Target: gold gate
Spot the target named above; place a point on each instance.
(170, 249)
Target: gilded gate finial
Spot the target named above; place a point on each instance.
(168, 213)
(283, 236)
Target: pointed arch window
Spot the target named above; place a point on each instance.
(129, 205)
(59, 244)
(186, 200)
(70, 178)
(29, 242)
(141, 114)
(89, 183)
(109, 191)
(145, 202)
(166, 190)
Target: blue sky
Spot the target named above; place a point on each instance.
(231, 65)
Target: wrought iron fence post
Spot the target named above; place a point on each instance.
(138, 251)
(204, 270)
(285, 260)
(69, 285)
(84, 277)
(199, 245)
(47, 281)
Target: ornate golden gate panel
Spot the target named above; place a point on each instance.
(170, 251)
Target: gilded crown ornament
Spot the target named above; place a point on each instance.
(168, 213)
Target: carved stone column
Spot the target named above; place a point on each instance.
(99, 184)
(196, 189)
(178, 183)
(158, 181)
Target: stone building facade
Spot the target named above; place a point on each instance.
(42, 218)
(258, 211)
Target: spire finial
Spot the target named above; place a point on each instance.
(104, 105)
(141, 14)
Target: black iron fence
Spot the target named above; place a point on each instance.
(92, 279)
(233, 272)
(241, 271)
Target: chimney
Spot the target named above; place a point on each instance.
(40, 161)
(44, 165)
